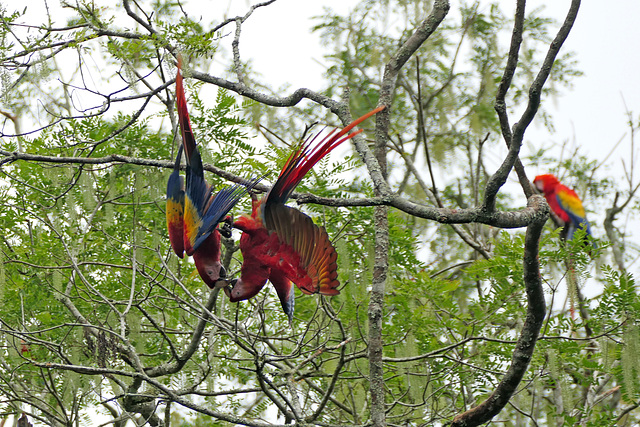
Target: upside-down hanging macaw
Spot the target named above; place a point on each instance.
(193, 214)
(565, 203)
(282, 244)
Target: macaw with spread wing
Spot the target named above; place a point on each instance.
(282, 244)
(194, 212)
(564, 202)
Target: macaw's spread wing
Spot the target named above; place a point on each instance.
(175, 207)
(205, 210)
(218, 206)
(306, 247)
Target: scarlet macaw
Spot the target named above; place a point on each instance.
(282, 244)
(194, 213)
(564, 202)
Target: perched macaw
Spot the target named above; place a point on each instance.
(194, 212)
(282, 244)
(564, 202)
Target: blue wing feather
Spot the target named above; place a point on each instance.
(218, 206)
(175, 184)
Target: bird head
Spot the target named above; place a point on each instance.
(238, 290)
(545, 182)
(213, 273)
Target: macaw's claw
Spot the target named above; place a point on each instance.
(225, 229)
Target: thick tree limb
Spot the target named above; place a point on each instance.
(377, 165)
(528, 336)
(509, 219)
(274, 101)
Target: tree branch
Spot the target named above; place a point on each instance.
(530, 330)
(502, 219)
(535, 91)
(377, 165)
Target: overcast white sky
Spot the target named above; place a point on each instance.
(606, 39)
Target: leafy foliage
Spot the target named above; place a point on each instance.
(98, 315)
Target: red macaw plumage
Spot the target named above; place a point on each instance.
(194, 212)
(564, 202)
(282, 244)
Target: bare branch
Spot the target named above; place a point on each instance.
(528, 336)
(535, 91)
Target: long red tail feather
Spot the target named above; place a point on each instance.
(307, 155)
(188, 140)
